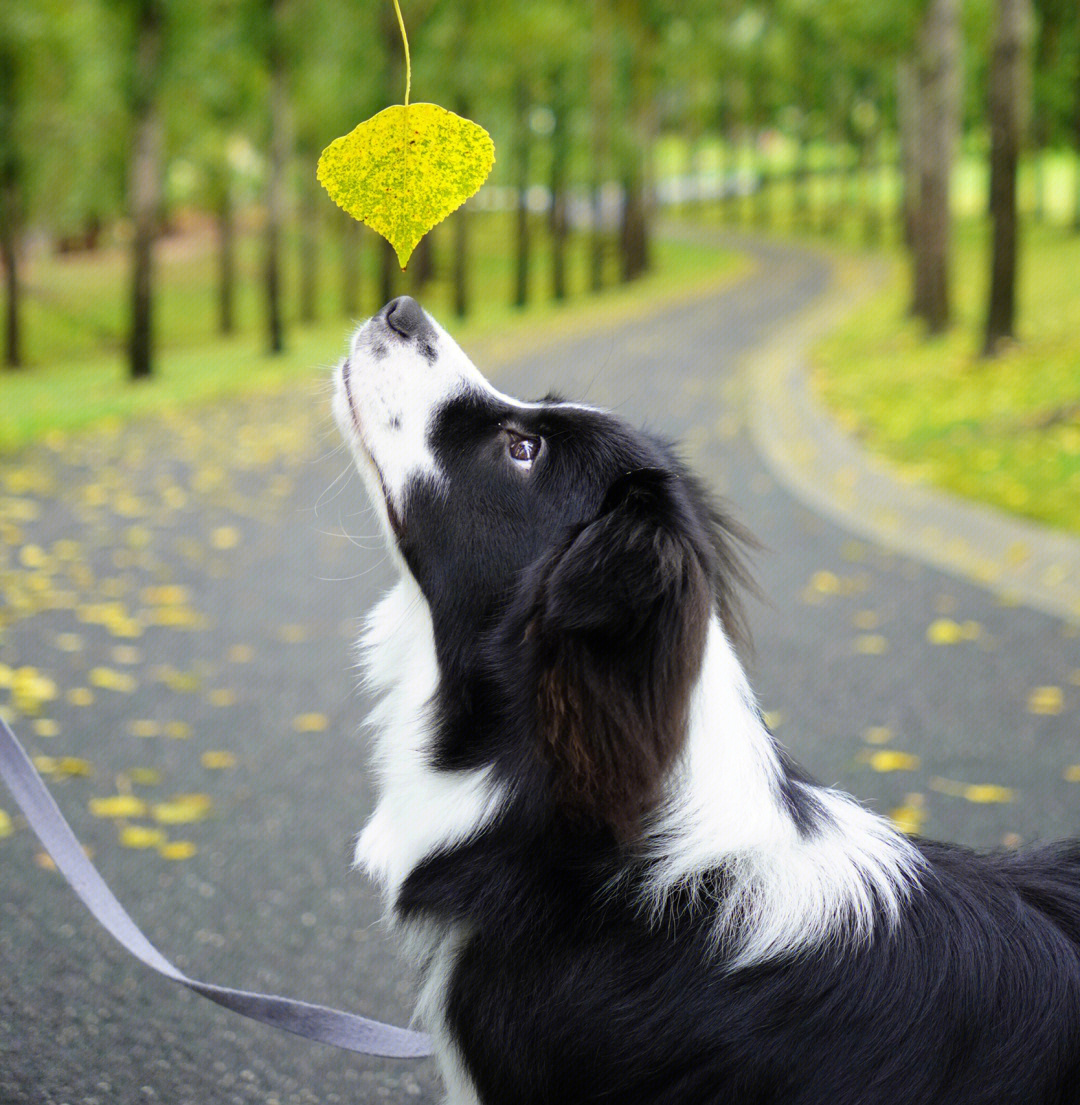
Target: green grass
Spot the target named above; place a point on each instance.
(79, 375)
(1005, 431)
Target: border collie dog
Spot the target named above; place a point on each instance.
(615, 884)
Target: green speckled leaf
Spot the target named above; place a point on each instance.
(405, 169)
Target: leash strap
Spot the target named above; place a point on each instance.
(315, 1022)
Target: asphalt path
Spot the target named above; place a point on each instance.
(178, 603)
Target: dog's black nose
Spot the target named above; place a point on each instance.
(405, 315)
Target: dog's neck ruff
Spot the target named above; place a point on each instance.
(801, 864)
(791, 881)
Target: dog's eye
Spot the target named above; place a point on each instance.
(525, 450)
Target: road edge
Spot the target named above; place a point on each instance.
(816, 461)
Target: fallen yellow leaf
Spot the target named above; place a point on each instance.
(182, 808)
(944, 631)
(217, 760)
(225, 537)
(6, 827)
(118, 805)
(310, 723)
(140, 836)
(908, 819)
(890, 760)
(177, 849)
(111, 680)
(1045, 700)
(987, 792)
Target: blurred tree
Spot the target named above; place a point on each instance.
(148, 29)
(279, 144)
(601, 88)
(212, 129)
(13, 46)
(1009, 104)
(937, 95)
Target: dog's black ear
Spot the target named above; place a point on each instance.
(620, 624)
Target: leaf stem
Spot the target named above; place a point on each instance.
(408, 60)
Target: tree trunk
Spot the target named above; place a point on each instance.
(9, 258)
(350, 265)
(801, 181)
(937, 80)
(460, 275)
(145, 201)
(461, 219)
(422, 263)
(10, 203)
(1076, 132)
(521, 214)
(907, 111)
(633, 235)
(275, 178)
(600, 81)
(226, 235)
(309, 248)
(388, 271)
(1010, 89)
(560, 155)
(870, 175)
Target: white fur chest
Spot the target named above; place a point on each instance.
(420, 808)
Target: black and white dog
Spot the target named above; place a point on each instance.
(615, 884)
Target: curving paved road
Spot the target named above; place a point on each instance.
(187, 587)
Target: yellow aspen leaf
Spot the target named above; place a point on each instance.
(168, 594)
(182, 809)
(825, 583)
(140, 836)
(225, 537)
(143, 727)
(888, 759)
(177, 849)
(72, 765)
(944, 631)
(178, 730)
(871, 644)
(987, 792)
(80, 696)
(46, 727)
(218, 760)
(118, 805)
(6, 827)
(878, 734)
(310, 723)
(404, 170)
(111, 680)
(145, 776)
(908, 819)
(1045, 700)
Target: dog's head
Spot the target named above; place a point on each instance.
(570, 565)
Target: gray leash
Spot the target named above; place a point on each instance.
(315, 1022)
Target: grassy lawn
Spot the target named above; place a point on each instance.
(1005, 431)
(76, 377)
